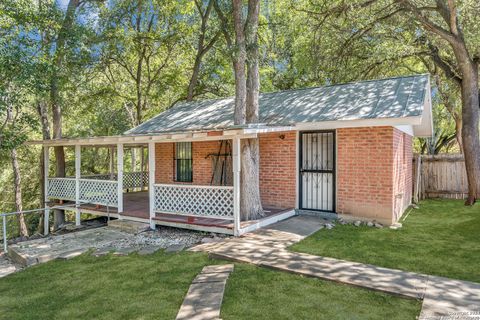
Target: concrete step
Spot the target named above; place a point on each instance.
(128, 226)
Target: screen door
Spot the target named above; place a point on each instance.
(317, 171)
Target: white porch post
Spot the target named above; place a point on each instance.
(111, 164)
(142, 165)
(120, 178)
(236, 185)
(46, 216)
(151, 182)
(78, 164)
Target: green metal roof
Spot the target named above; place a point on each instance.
(374, 99)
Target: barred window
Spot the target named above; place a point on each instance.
(183, 162)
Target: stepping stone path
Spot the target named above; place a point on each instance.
(148, 250)
(103, 251)
(124, 251)
(175, 248)
(268, 248)
(104, 240)
(204, 297)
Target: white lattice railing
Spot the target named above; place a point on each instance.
(204, 201)
(103, 192)
(101, 176)
(61, 188)
(136, 179)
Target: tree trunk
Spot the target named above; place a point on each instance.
(250, 201)
(68, 21)
(58, 215)
(42, 112)
(194, 79)
(470, 134)
(239, 59)
(202, 49)
(22, 226)
(469, 85)
(246, 104)
(458, 133)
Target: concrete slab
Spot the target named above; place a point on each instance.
(49, 248)
(6, 266)
(71, 254)
(302, 226)
(124, 251)
(103, 251)
(211, 277)
(204, 297)
(267, 247)
(128, 226)
(148, 250)
(218, 268)
(407, 284)
(447, 297)
(175, 248)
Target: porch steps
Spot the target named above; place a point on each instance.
(128, 225)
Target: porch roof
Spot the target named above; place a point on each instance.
(249, 131)
(393, 101)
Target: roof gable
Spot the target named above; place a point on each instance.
(375, 99)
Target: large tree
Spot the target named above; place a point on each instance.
(15, 120)
(444, 20)
(204, 45)
(247, 87)
(386, 35)
(144, 52)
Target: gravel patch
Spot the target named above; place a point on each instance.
(162, 237)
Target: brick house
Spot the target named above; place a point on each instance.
(342, 149)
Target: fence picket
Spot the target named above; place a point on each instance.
(442, 176)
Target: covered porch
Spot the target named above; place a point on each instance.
(138, 193)
(136, 208)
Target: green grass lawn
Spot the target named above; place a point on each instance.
(153, 287)
(259, 293)
(441, 238)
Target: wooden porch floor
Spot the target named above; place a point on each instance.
(135, 205)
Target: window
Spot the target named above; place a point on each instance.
(183, 162)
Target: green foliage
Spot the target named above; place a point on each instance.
(123, 62)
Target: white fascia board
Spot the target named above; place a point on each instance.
(377, 122)
(269, 129)
(425, 128)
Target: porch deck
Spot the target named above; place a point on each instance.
(135, 207)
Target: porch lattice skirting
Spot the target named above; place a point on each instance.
(201, 201)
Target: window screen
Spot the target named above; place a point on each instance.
(183, 161)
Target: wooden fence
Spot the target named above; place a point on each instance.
(440, 176)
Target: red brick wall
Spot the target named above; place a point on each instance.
(164, 162)
(277, 166)
(373, 167)
(278, 169)
(202, 166)
(374, 170)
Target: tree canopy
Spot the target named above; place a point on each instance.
(86, 67)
